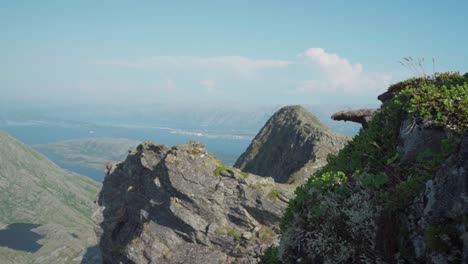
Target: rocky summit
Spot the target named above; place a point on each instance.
(291, 146)
(183, 205)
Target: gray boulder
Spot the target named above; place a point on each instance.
(437, 220)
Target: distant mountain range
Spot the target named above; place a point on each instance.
(231, 119)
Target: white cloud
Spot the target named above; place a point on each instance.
(314, 72)
(208, 83)
(340, 75)
(241, 65)
(246, 65)
(166, 86)
(209, 86)
(169, 85)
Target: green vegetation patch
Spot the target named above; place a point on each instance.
(245, 175)
(265, 234)
(223, 231)
(372, 181)
(221, 170)
(434, 241)
(234, 234)
(408, 189)
(273, 194)
(445, 106)
(271, 256)
(367, 176)
(442, 98)
(196, 151)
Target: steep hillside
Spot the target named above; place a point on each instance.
(34, 190)
(90, 152)
(398, 193)
(182, 205)
(291, 145)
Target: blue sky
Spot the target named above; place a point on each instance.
(252, 52)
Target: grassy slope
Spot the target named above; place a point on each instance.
(35, 190)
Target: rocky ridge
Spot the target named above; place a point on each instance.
(182, 205)
(292, 145)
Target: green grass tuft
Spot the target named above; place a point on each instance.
(220, 170)
(234, 234)
(273, 194)
(245, 175)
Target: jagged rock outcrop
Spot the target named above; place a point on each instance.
(361, 116)
(291, 145)
(436, 221)
(182, 205)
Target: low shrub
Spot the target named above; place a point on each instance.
(333, 214)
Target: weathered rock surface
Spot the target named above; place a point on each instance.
(361, 116)
(437, 220)
(291, 145)
(182, 205)
(416, 138)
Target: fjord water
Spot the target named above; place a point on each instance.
(97, 175)
(225, 148)
(20, 236)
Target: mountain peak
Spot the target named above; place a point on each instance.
(291, 145)
(295, 113)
